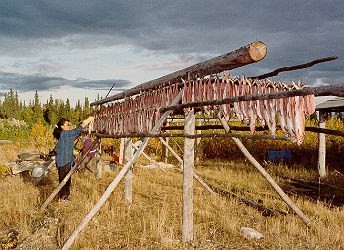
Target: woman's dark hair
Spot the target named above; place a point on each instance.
(58, 129)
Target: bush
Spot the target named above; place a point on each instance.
(11, 129)
(42, 137)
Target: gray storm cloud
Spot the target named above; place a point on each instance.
(295, 32)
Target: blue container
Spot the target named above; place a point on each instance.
(279, 156)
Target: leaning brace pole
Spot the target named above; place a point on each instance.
(266, 175)
(248, 54)
(67, 177)
(115, 182)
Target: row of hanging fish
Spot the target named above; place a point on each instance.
(140, 113)
(290, 111)
(137, 114)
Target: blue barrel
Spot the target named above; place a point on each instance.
(279, 156)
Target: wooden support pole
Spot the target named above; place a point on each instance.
(248, 54)
(198, 142)
(266, 175)
(99, 171)
(147, 157)
(128, 178)
(121, 151)
(189, 156)
(115, 182)
(322, 146)
(181, 162)
(64, 181)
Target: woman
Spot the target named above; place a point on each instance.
(64, 148)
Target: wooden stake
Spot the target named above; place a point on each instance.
(266, 175)
(115, 182)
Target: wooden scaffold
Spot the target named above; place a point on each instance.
(205, 87)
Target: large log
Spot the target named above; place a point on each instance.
(248, 54)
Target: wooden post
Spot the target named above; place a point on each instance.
(121, 151)
(115, 182)
(266, 175)
(322, 146)
(99, 161)
(164, 151)
(198, 142)
(128, 178)
(189, 154)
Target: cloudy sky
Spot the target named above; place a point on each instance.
(77, 49)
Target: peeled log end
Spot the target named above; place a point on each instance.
(257, 50)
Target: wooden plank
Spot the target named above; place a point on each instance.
(115, 182)
(189, 156)
(248, 54)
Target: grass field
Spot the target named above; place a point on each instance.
(154, 220)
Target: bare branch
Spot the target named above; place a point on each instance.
(290, 68)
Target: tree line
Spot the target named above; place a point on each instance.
(48, 113)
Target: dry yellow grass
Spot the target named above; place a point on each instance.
(154, 219)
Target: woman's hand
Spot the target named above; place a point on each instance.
(87, 121)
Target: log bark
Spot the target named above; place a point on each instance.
(335, 90)
(266, 175)
(248, 54)
(115, 182)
